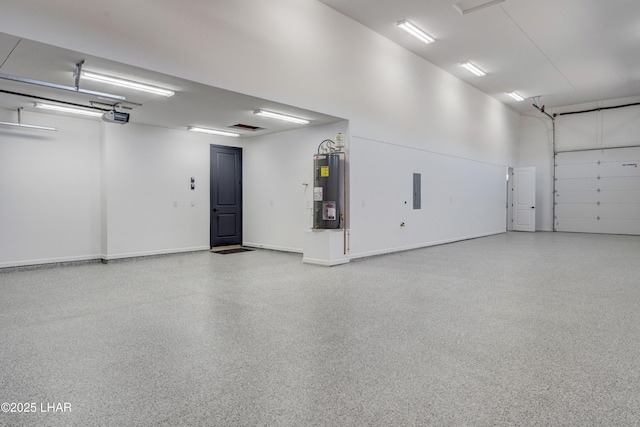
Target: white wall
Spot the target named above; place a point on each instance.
(309, 56)
(598, 129)
(147, 170)
(299, 52)
(460, 199)
(277, 206)
(49, 190)
(96, 190)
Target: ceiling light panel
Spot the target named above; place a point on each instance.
(212, 131)
(279, 116)
(22, 125)
(473, 69)
(129, 84)
(65, 109)
(516, 96)
(469, 6)
(415, 31)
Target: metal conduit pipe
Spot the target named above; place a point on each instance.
(597, 109)
(553, 168)
(26, 95)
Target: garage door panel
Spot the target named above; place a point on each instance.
(620, 183)
(576, 210)
(619, 211)
(578, 225)
(618, 226)
(563, 185)
(586, 156)
(620, 197)
(598, 171)
(584, 184)
(580, 197)
(598, 191)
(619, 154)
(618, 169)
(603, 210)
(602, 196)
(573, 171)
(572, 157)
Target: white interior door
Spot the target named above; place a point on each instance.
(524, 199)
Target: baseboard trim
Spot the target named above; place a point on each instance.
(112, 257)
(423, 245)
(272, 247)
(92, 259)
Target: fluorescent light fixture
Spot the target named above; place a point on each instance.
(64, 109)
(469, 6)
(415, 31)
(126, 83)
(19, 124)
(213, 131)
(516, 96)
(22, 125)
(473, 69)
(279, 116)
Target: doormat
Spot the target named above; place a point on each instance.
(232, 251)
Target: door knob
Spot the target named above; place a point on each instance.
(215, 209)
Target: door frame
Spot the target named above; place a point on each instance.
(211, 195)
(524, 208)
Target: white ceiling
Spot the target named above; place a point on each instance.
(193, 104)
(565, 51)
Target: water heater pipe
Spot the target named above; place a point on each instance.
(344, 200)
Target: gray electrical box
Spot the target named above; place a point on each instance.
(417, 191)
(326, 191)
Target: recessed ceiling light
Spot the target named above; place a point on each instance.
(415, 31)
(65, 109)
(213, 131)
(279, 116)
(473, 69)
(126, 83)
(516, 96)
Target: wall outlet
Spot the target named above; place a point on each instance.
(175, 204)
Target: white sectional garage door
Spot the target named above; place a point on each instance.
(598, 191)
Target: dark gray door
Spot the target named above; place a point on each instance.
(226, 196)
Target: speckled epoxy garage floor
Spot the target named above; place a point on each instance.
(513, 329)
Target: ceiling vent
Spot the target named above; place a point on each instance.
(469, 6)
(246, 127)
